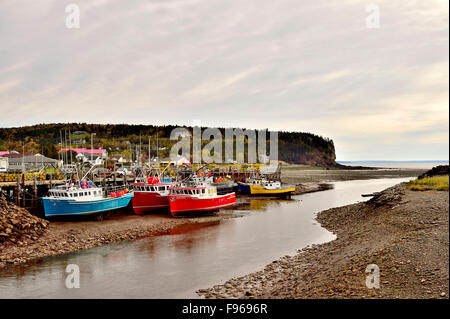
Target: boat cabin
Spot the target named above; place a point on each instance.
(151, 188)
(256, 181)
(272, 185)
(194, 191)
(76, 193)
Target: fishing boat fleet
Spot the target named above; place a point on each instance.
(151, 191)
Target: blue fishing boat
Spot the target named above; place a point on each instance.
(244, 188)
(84, 199)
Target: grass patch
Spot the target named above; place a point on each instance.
(436, 183)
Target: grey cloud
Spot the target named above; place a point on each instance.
(296, 65)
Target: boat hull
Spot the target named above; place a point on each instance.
(63, 207)
(149, 201)
(181, 204)
(244, 188)
(224, 188)
(260, 190)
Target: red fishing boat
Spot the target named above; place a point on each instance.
(202, 198)
(150, 195)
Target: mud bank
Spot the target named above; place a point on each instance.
(405, 233)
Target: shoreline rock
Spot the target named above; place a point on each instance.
(440, 170)
(18, 226)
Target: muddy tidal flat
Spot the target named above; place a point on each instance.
(298, 174)
(405, 233)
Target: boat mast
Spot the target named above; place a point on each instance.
(140, 149)
(61, 147)
(92, 147)
(23, 158)
(66, 156)
(70, 148)
(65, 143)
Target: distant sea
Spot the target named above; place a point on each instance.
(396, 164)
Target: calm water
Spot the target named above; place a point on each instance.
(191, 257)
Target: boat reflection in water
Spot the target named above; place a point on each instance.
(247, 203)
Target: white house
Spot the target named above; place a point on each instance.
(3, 164)
(178, 161)
(88, 155)
(119, 159)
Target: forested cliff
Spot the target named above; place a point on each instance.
(294, 147)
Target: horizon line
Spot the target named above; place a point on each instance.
(394, 161)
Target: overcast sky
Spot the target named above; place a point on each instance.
(300, 65)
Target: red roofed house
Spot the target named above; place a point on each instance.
(86, 154)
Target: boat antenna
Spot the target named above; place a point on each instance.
(60, 154)
(70, 148)
(23, 158)
(92, 148)
(140, 149)
(63, 154)
(65, 142)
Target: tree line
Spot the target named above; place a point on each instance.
(294, 147)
